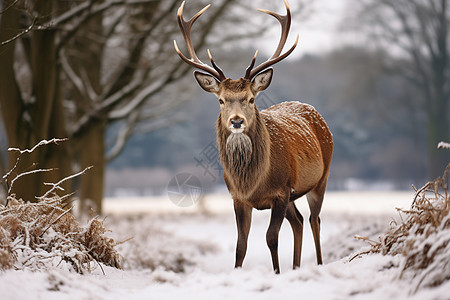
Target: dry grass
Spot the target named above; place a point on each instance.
(422, 236)
(45, 234)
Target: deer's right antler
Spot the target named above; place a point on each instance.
(285, 22)
(185, 27)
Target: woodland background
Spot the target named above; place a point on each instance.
(105, 75)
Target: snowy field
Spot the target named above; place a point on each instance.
(188, 253)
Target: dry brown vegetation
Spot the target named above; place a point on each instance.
(45, 234)
(422, 236)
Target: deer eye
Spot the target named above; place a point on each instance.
(252, 100)
(221, 101)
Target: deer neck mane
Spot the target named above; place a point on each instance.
(244, 156)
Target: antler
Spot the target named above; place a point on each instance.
(285, 22)
(185, 27)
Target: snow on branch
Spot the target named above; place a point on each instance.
(143, 95)
(443, 145)
(21, 152)
(26, 173)
(41, 143)
(57, 185)
(123, 135)
(71, 75)
(93, 9)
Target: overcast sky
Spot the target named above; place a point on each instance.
(319, 33)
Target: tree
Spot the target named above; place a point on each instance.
(417, 31)
(130, 91)
(55, 81)
(31, 106)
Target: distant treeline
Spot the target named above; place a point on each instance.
(374, 114)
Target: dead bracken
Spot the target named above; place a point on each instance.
(422, 236)
(44, 235)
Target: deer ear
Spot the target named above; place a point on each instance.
(262, 80)
(208, 82)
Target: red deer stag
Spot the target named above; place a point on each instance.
(270, 158)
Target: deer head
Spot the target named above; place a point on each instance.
(236, 97)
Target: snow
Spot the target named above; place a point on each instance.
(188, 254)
(443, 145)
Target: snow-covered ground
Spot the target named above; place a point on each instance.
(188, 253)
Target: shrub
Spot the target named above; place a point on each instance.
(45, 234)
(422, 236)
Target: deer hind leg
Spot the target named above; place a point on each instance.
(278, 213)
(315, 199)
(243, 215)
(296, 220)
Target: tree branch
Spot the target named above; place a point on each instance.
(19, 35)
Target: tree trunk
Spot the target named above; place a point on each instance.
(10, 98)
(91, 140)
(93, 154)
(28, 121)
(11, 101)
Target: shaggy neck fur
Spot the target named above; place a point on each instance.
(244, 156)
(239, 150)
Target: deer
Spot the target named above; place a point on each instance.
(270, 158)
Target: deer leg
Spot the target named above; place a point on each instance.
(276, 219)
(296, 220)
(315, 204)
(243, 215)
(315, 227)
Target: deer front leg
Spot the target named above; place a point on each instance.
(276, 219)
(243, 215)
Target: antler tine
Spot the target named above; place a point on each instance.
(216, 67)
(185, 27)
(273, 61)
(250, 67)
(285, 22)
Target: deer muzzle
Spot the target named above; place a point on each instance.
(237, 124)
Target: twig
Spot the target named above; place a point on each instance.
(21, 152)
(28, 29)
(56, 220)
(56, 185)
(359, 254)
(98, 263)
(24, 174)
(41, 143)
(8, 7)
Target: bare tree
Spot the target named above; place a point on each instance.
(74, 41)
(29, 95)
(417, 31)
(129, 90)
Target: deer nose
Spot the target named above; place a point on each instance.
(237, 123)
